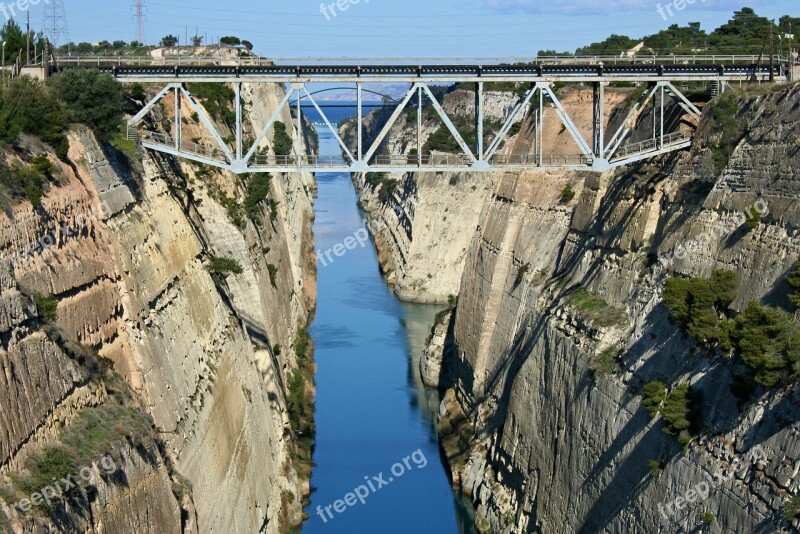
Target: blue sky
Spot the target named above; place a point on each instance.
(393, 28)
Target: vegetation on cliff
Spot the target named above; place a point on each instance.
(767, 339)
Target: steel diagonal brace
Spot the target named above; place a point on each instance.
(689, 107)
(330, 126)
(449, 124)
(150, 105)
(630, 122)
(208, 124)
(501, 135)
(567, 121)
(388, 126)
(268, 125)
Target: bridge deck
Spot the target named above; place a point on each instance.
(590, 69)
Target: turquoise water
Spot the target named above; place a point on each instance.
(373, 415)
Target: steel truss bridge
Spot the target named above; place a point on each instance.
(603, 151)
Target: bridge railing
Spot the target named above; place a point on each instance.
(652, 144)
(548, 160)
(718, 59)
(159, 138)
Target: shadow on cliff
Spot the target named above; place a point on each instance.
(505, 375)
(632, 476)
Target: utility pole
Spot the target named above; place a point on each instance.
(771, 51)
(28, 39)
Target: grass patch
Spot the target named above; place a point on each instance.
(596, 309)
(604, 363)
(121, 142)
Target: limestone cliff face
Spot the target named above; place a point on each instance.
(556, 448)
(126, 253)
(424, 228)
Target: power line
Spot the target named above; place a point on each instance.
(54, 24)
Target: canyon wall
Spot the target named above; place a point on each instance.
(424, 227)
(537, 433)
(126, 255)
(560, 447)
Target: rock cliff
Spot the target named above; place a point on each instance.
(537, 432)
(124, 247)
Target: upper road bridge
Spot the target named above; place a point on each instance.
(604, 150)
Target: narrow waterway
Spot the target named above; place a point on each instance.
(378, 467)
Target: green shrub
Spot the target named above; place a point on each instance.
(217, 99)
(93, 99)
(708, 518)
(752, 218)
(135, 91)
(567, 194)
(681, 412)
(722, 119)
(443, 141)
(273, 210)
(47, 307)
(29, 106)
(53, 463)
(281, 141)
(277, 349)
(521, 272)
(768, 342)
(653, 396)
(273, 274)
(696, 304)
(43, 165)
(791, 509)
(656, 468)
(257, 191)
(794, 283)
(224, 266)
(302, 346)
(388, 187)
(233, 208)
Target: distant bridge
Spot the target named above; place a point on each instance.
(658, 74)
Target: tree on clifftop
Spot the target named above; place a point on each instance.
(169, 41)
(92, 99)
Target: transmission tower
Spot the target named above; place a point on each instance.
(54, 24)
(139, 14)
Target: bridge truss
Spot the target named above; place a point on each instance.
(598, 153)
